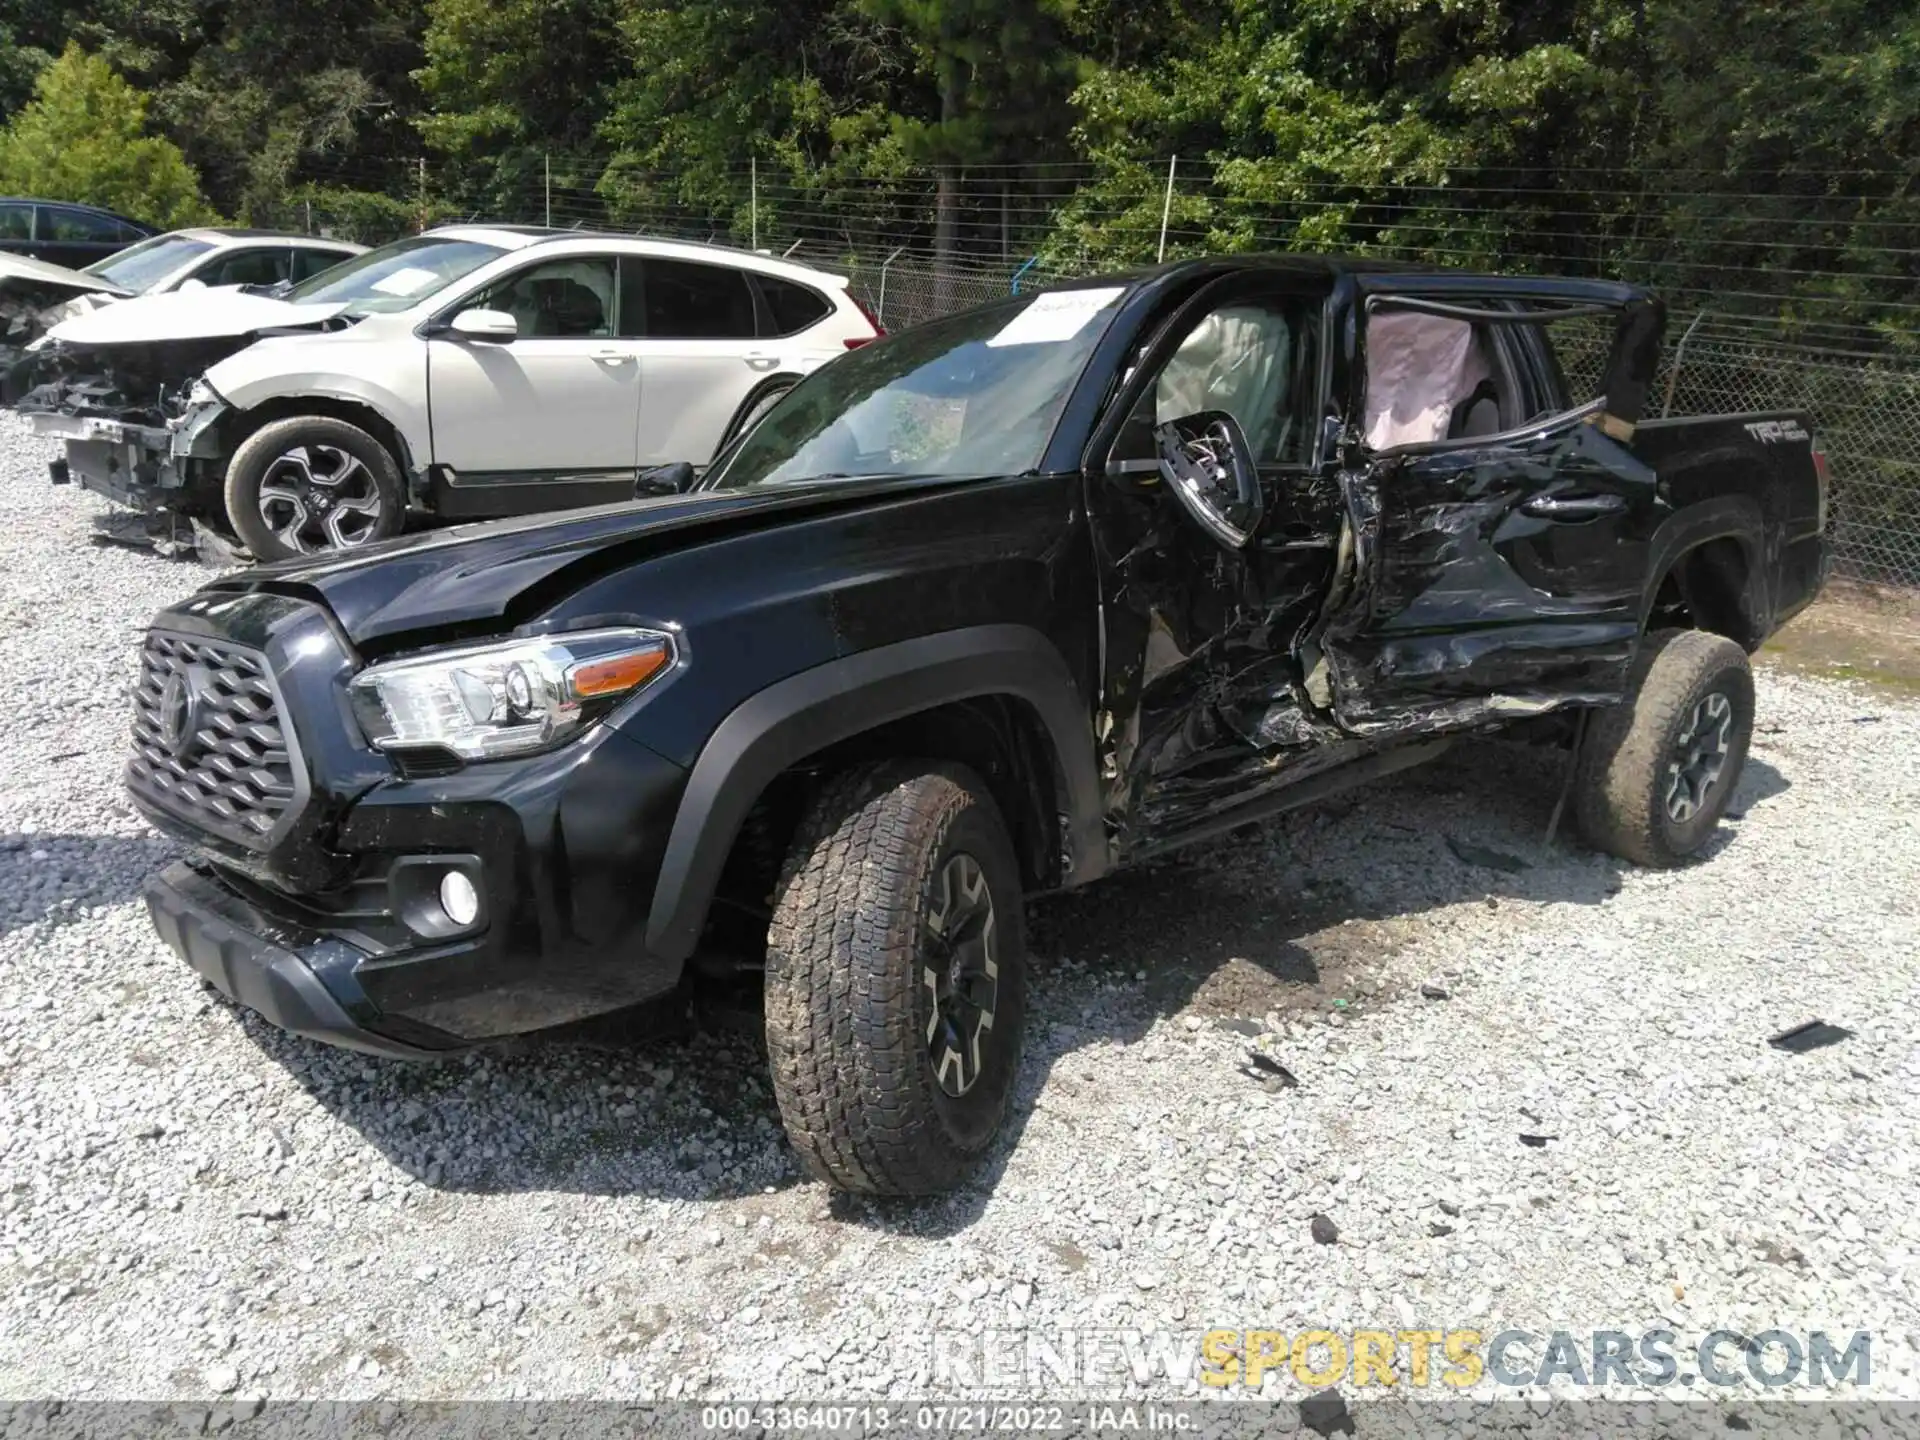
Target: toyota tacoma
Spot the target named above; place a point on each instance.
(995, 607)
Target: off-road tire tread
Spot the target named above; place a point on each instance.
(253, 453)
(1618, 784)
(849, 1063)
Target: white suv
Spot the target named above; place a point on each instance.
(470, 371)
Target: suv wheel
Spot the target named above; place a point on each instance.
(1657, 771)
(896, 979)
(312, 484)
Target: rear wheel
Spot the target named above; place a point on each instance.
(312, 484)
(1656, 772)
(896, 980)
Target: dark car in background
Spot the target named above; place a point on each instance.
(64, 233)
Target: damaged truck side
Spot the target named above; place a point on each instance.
(997, 606)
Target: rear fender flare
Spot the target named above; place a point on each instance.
(805, 713)
(1726, 517)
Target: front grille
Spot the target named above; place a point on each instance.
(209, 743)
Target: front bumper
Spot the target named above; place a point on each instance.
(220, 935)
(143, 466)
(563, 848)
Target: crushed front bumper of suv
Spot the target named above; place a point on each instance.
(143, 466)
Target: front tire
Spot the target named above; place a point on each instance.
(1656, 772)
(896, 980)
(312, 485)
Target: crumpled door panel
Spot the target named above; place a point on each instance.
(1205, 706)
(1485, 591)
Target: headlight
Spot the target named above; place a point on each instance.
(485, 701)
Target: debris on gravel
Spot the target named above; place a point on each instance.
(195, 1205)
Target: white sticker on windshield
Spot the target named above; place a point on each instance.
(1057, 315)
(405, 282)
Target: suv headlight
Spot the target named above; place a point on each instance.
(482, 702)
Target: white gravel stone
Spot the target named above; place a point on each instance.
(191, 1202)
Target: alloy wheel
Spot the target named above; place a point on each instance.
(1699, 758)
(960, 973)
(320, 497)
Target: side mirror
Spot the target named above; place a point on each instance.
(674, 479)
(486, 327)
(1206, 461)
(196, 283)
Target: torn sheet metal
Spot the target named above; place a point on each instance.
(142, 384)
(1206, 710)
(1490, 584)
(35, 296)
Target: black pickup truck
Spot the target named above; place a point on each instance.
(995, 607)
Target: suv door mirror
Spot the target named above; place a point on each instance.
(1206, 461)
(487, 327)
(674, 479)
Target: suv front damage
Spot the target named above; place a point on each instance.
(124, 389)
(36, 296)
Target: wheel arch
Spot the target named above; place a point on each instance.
(873, 703)
(1709, 572)
(241, 424)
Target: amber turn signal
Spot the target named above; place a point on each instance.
(617, 674)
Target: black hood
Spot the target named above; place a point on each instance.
(503, 573)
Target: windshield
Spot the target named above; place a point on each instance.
(975, 394)
(139, 266)
(395, 277)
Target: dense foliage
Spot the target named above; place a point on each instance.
(84, 137)
(1761, 150)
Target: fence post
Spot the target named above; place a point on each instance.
(880, 305)
(1679, 359)
(1166, 210)
(423, 192)
(547, 163)
(753, 199)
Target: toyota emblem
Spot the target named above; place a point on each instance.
(179, 712)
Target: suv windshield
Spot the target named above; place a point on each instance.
(975, 394)
(149, 262)
(395, 277)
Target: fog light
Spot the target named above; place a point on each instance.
(459, 899)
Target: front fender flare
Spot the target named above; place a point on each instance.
(805, 713)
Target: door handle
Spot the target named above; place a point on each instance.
(1573, 507)
(762, 362)
(613, 357)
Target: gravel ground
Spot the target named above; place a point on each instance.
(191, 1203)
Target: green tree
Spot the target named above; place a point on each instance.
(1334, 123)
(84, 138)
(510, 82)
(278, 92)
(807, 91)
(1001, 71)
